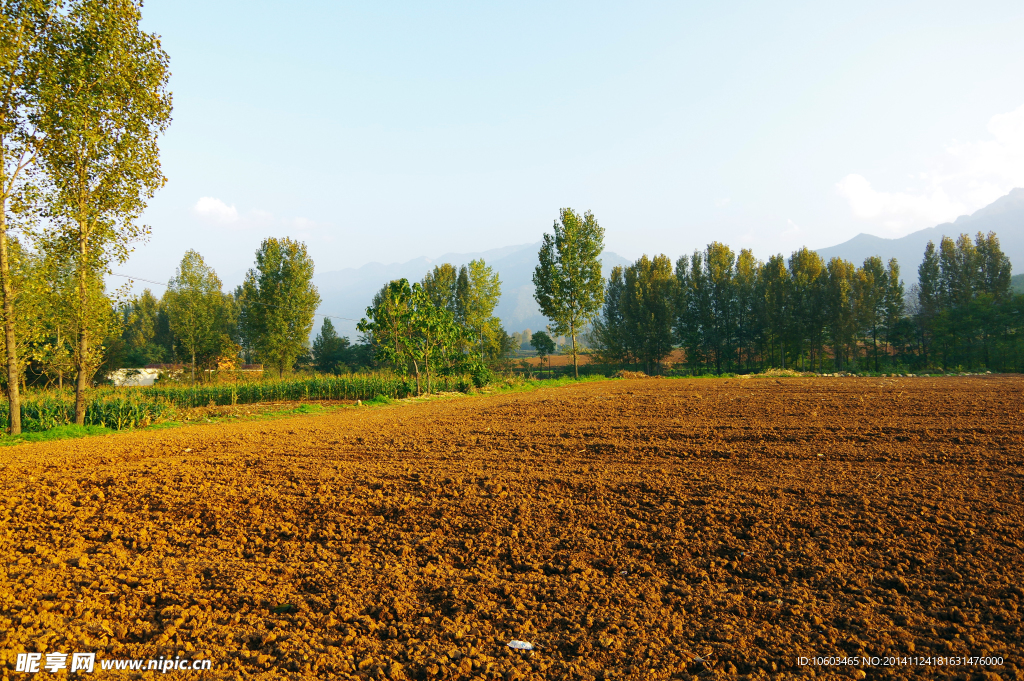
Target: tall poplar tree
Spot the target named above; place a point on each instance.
(719, 260)
(25, 54)
(611, 332)
(928, 295)
(568, 284)
(807, 323)
(775, 291)
(441, 284)
(892, 301)
(329, 349)
(840, 310)
(647, 307)
(477, 296)
(194, 306)
(105, 102)
(870, 288)
(279, 301)
(748, 269)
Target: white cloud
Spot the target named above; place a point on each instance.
(900, 212)
(969, 176)
(216, 210)
(792, 231)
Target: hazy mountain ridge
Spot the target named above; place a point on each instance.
(347, 292)
(1005, 217)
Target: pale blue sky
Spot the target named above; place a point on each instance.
(386, 131)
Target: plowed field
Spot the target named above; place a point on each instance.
(628, 529)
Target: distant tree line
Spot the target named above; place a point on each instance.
(731, 312)
(267, 319)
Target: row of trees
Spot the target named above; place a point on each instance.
(732, 312)
(963, 309)
(269, 317)
(83, 99)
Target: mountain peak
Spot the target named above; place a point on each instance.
(1004, 216)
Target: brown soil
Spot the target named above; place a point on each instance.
(629, 529)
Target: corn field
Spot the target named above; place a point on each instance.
(348, 387)
(118, 412)
(123, 408)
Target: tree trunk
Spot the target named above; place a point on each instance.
(81, 380)
(416, 368)
(426, 367)
(874, 342)
(13, 397)
(193, 368)
(83, 338)
(575, 366)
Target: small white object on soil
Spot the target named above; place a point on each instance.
(520, 645)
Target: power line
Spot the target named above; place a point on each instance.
(131, 277)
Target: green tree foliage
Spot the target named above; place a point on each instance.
(478, 290)
(436, 337)
(708, 316)
(611, 334)
(59, 351)
(775, 289)
(54, 354)
(807, 307)
(195, 308)
(104, 101)
(408, 330)
(568, 284)
(278, 302)
(735, 313)
(893, 303)
(442, 287)
(140, 321)
(870, 287)
(25, 54)
(638, 313)
(386, 326)
(543, 344)
(330, 351)
(29, 321)
(840, 310)
(967, 314)
(748, 308)
(927, 297)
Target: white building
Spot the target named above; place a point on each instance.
(134, 377)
